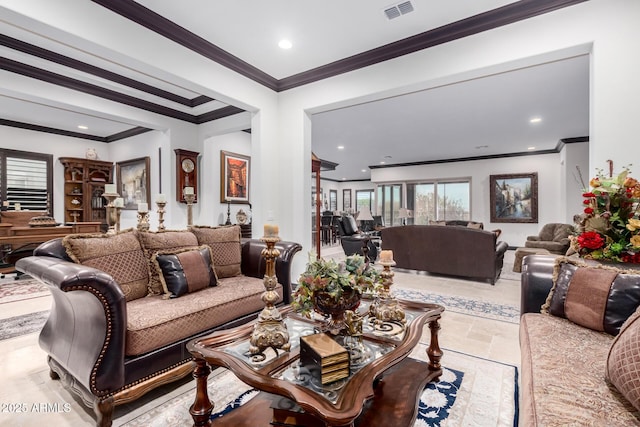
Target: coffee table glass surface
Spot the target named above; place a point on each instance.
(381, 346)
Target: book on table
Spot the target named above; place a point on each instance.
(325, 359)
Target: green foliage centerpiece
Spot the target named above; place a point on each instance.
(330, 288)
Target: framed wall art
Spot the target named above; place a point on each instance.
(346, 199)
(134, 182)
(514, 197)
(234, 177)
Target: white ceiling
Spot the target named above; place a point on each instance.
(441, 123)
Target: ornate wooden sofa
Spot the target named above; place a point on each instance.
(113, 334)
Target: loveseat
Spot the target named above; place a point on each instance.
(579, 341)
(450, 250)
(125, 305)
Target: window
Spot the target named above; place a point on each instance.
(333, 200)
(26, 180)
(364, 199)
(439, 201)
(389, 203)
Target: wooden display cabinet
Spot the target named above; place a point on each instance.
(84, 182)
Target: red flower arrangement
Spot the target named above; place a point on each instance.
(609, 228)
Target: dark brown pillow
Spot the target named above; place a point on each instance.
(153, 242)
(598, 297)
(225, 247)
(185, 270)
(119, 255)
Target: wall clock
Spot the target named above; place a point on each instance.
(186, 173)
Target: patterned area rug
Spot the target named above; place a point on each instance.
(473, 391)
(457, 304)
(16, 290)
(21, 325)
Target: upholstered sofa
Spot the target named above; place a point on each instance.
(553, 237)
(442, 249)
(579, 340)
(125, 305)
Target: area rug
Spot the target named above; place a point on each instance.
(473, 391)
(22, 325)
(463, 305)
(16, 290)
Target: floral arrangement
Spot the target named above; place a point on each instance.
(333, 278)
(610, 226)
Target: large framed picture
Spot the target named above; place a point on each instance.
(234, 177)
(134, 182)
(514, 197)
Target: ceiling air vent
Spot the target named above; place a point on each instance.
(398, 9)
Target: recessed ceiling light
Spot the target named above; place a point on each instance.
(364, 170)
(387, 157)
(344, 179)
(285, 44)
(531, 148)
(535, 120)
(83, 127)
(382, 162)
(340, 147)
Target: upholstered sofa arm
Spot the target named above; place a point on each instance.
(501, 248)
(85, 331)
(533, 238)
(254, 265)
(536, 282)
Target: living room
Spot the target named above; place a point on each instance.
(280, 142)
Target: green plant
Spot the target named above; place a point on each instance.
(333, 278)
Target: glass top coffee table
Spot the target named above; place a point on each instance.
(383, 387)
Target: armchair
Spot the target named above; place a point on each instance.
(553, 237)
(352, 240)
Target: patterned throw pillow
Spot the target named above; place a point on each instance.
(623, 362)
(225, 246)
(597, 297)
(119, 255)
(185, 270)
(153, 242)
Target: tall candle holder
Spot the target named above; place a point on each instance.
(118, 213)
(112, 219)
(189, 198)
(161, 212)
(270, 331)
(143, 221)
(385, 307)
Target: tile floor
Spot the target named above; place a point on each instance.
(24, 371)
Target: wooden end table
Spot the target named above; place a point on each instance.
(383, 388)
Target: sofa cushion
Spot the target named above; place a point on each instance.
(562, 382)
(185, 270)
(119, 255)
(153, 242)
(623, 363)
(595, 296)
(225, 246)
(153, 322)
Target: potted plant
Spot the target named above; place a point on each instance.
(330, 287)
(610, 226)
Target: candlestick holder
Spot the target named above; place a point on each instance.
(270, 331)
(385, 307)
(228, 221)
(143, 221)
(118, 213)
(189, 198)
(161, 212)
(111, 211)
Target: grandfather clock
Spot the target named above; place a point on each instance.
(186, 173)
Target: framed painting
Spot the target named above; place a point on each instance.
(514, 197)
(346, 199)
(134, 182)
(234, 177)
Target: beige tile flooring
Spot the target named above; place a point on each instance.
(25, 380)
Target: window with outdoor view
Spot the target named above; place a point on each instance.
(389, 203)
(439, 201)
(364, 199)
(26, 180)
